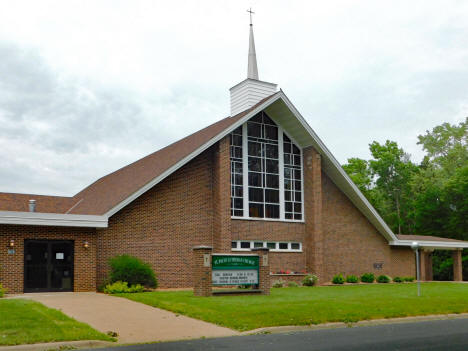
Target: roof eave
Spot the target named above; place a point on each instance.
(53, 219)
(442, 245)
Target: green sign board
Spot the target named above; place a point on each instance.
(234, 269)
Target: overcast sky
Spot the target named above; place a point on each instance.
(87, 87)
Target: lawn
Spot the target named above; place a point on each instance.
(25, 322)
(313, 305)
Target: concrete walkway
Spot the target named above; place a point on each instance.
(133, 322)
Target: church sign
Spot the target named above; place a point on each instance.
(234, 269)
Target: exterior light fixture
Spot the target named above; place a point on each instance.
(12, 243)
(415, 247)
(86, 245)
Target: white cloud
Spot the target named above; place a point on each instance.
(86, 87)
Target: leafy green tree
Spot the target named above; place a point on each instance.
(393, 171)
(359, 172)
(447, 146)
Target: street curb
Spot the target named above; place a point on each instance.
(49, 346)
(365, 323)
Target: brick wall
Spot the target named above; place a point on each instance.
(163, 225)
(12, 265)
(352, 245)
(273, 231)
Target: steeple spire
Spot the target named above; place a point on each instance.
(252, 71)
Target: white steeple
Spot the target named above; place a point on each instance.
(252, 71)
(250, 91)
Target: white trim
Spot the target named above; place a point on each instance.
(321, 148)
(53, 219)
(268, 219)
(245, 171)
(276, 249)
(191, 156)
(387, 232)
(281, 171)
(432, 244)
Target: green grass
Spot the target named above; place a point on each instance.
(25, 322)
(313, 305)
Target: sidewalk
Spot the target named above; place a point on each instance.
(133, 322)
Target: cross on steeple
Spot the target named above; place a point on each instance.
(251, 13)
(252, 71)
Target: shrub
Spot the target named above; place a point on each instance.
(408, 279)
(367, 278)
(278, 283)
(292, 285)
(352, 279)
(398, 280)
(309, 280)
(122, 287)
(383, 279)
(338, 279)
(132, 270)
(2, 291)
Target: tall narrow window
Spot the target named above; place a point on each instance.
(262, 139)
(256, 169)
(292, 180)
(237, 190)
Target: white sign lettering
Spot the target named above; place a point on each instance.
(235, 277)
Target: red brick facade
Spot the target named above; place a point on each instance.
(12, 265)
(192, 207)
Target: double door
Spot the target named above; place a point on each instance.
(48, 265)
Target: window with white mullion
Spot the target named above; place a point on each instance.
(281, 171)
(266, 172)
(263, 170)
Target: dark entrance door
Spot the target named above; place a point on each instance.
(48, 265)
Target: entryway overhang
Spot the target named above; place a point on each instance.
(53, 219)
(429, 242)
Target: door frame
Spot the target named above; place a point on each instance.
(49, 241)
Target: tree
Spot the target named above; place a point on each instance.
(393, 171)
(447, 146)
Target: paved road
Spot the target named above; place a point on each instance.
(432, 335)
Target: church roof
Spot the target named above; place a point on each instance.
(110, 190)
(93, 205)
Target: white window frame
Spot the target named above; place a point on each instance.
(245, 172)
(276, 249)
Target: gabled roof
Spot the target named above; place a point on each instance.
(44, 203)
(111, 193)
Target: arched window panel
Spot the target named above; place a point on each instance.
(258, 178)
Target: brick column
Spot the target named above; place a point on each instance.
(313, 212)
(457, 266)
(222, 196)
(264, 270)
(202, 270)
(423, 264)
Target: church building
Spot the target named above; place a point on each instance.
(258, 178)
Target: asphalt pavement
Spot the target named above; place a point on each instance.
(447, 335)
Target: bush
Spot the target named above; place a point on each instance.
(132, 270)
(122, 287)
(292, 285)
(2, 291)
(278, 283)
(383, 279)
(352, 279)
(309, 280)
(338, 279)
(398, 280)
(408, 279)
(367, 278)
